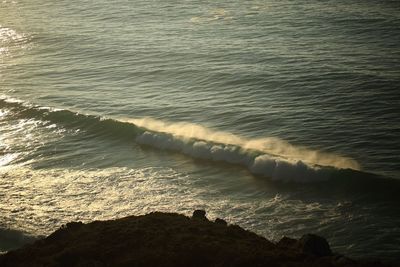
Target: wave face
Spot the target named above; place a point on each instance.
(271, 146)
(269, 157)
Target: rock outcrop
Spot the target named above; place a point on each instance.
(169, 239)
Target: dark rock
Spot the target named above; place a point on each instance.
(287, 242)
(221, 222)
(199, 214)
(315, 245)
(74, 225)
(169, 240)
(343, 260)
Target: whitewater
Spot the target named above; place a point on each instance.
(281, 116)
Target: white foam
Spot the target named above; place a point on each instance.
(284, 170)
(182, 132)
(8, 99)
(3, 112)
(272, 166)
(7, 158)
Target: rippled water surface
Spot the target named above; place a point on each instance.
(282, 116)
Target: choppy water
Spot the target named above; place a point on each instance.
(282, 116)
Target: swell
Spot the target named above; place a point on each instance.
(269, 157)
(86, 122)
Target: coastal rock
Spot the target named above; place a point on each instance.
(199, 214)
(74, 225)
(315, 245)
(168, 239)
(221, 222)
(343, 260)
(288, 243)
(308, 244)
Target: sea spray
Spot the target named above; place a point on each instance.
(271, 157)
(270, 145)
(272, 166)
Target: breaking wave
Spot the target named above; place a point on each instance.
(269, 157)
(272, 166)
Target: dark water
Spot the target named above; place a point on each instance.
(282, 116)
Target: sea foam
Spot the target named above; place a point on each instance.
(269, 157)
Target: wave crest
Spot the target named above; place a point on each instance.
(271, 157)
(257, 162)
(271, 145)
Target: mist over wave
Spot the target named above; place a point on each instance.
(270, 157)
(270, 145)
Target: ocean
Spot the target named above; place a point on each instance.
(280, 116)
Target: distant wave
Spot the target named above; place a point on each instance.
(70, 119)
(270, 157)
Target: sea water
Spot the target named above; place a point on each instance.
(280, 116)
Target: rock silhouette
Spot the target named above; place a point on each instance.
(169, 239)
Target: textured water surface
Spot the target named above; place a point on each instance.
(282, 116)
